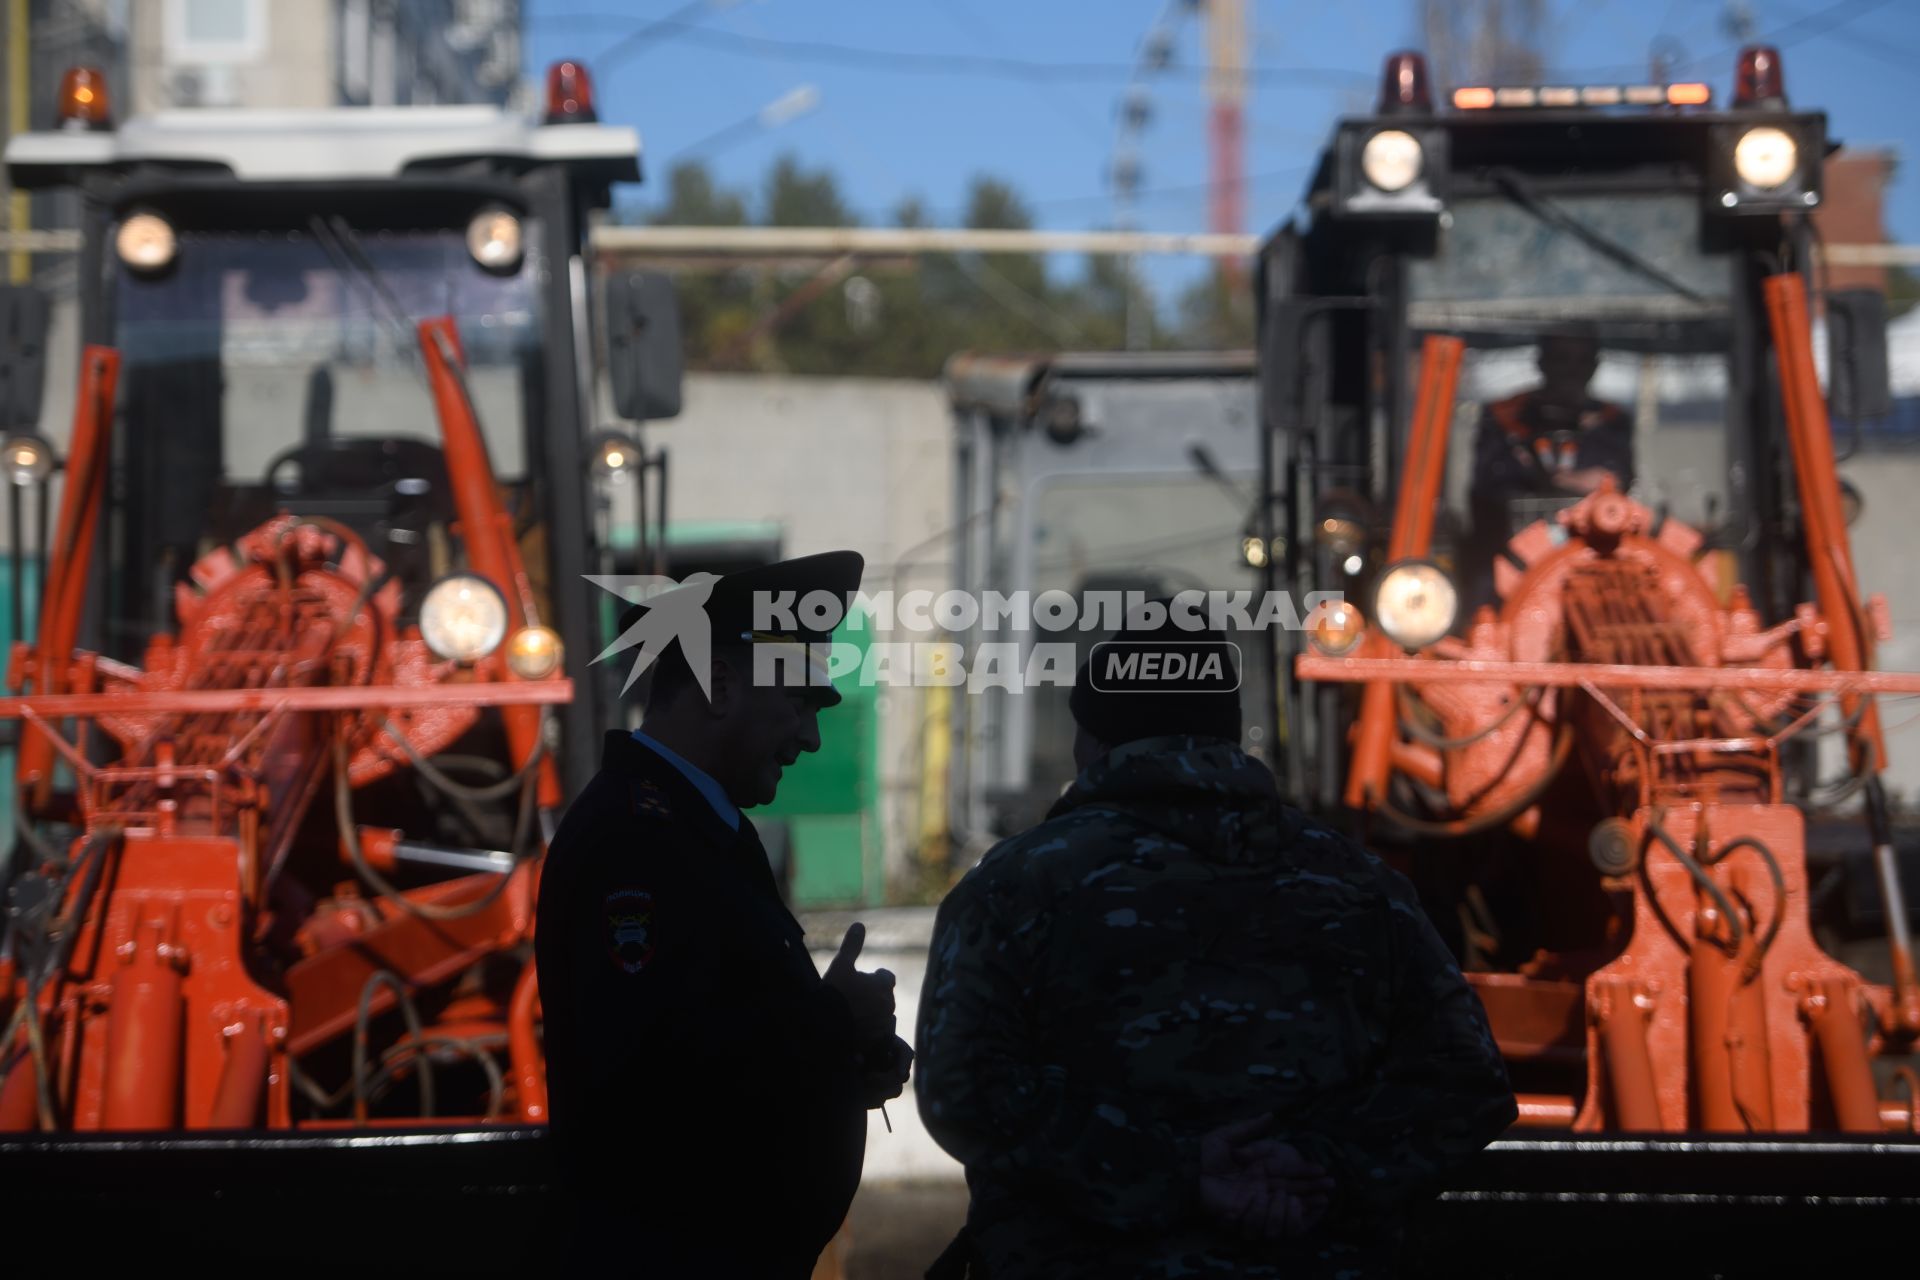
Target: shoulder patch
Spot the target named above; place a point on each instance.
(629, 928)
(649, 799)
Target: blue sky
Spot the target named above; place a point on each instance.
(894, 130)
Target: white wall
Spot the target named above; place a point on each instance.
(857, 463)
(897, 940)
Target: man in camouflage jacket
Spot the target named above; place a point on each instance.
(1174, 956)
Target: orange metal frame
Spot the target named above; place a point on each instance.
(155, 1020)
(1717, 1011)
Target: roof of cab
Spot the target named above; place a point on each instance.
(331, 145)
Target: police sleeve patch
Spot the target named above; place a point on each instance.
(629, 928)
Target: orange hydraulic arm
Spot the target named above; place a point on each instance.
(1412, 538)
(491, 547)
(1849, 645)
(66, 591)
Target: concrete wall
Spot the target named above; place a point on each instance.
(897, 940)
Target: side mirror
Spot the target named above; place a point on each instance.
(1858, 382)
(644, 358)
(24, 318)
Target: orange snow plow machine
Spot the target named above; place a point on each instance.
(227, 942)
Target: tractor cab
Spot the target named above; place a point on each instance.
(262, 277)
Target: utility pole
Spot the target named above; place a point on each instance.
(1226, 129)
(19, 104)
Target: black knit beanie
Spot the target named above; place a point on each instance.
(1159, 682)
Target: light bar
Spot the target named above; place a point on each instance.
(1483, 97)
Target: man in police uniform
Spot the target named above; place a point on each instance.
(708, 1087)
(1179, 1029)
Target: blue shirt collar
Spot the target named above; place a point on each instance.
(702, 780)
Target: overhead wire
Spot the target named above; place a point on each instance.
(1819, 23)
(921, 62)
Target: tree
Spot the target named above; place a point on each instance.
(715, 307)
(796, 198)
(1903, 291)
(693, 200)
(992, 205)
(1215, 315)
(1484, 41)
(907, 318)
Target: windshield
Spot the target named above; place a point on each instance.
(1633, 259)
(261, 373)
(1597, 331)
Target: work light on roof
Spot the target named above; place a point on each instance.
(83, 99)
(1759, 80)
(1689, 93)
(569, 93)
(1404, 86)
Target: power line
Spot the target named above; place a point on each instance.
(986, 37)
(660, 29)
(915, 62)
(1876, 47)
(1818, 23)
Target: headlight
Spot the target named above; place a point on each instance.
(493, 238)
(1415, 604)
(1340, 535)
(1335, 628)
(1391, 159)
(534, 653)
(463, 618)
(28, 459)
(145, 242)
(616, 455)
(1766, 157)
(1254, 551)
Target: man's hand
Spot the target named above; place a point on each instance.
(887, 1068)
(1259, 1186)
(869, 996)
(1585, 480)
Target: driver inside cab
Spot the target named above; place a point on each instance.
(1555, 441)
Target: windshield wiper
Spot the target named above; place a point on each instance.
(1515, 188)
(341, 244)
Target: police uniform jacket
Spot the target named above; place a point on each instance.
(704, 1082)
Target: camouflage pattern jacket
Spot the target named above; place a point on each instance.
(1173, 950)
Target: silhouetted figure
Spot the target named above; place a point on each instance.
(1180, 1029)
(708, 1086)
(1545, 447)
